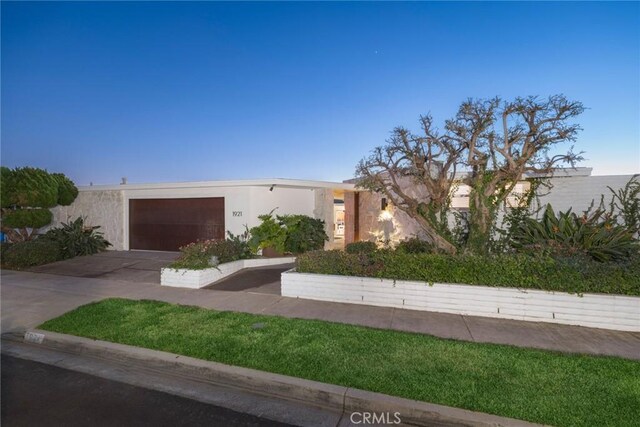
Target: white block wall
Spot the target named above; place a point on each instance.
(102, 208)
(592, 310)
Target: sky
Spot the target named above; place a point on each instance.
(162, 91)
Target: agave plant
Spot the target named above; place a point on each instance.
(592, 233)
(77, 239)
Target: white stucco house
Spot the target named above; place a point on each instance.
(165, 216)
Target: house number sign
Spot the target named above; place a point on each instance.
(237, 213)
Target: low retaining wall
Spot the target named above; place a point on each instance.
(592, 310)
(195, 279)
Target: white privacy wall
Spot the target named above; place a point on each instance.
(287, 200)
(578, 192)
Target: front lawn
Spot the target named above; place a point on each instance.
(534, 385)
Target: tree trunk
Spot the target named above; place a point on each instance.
(16, 235)
(439, 241)
(481, 218)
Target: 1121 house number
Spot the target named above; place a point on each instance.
(237, 213)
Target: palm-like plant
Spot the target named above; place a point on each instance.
(76, 239)
(593, 233)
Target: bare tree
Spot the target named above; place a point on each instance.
(416, 173)
(495, 142)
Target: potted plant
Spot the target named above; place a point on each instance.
(268, 236)
(293, 234)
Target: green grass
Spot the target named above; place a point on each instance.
(534, 385)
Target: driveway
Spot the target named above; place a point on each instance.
(262, 280)
(130, 266)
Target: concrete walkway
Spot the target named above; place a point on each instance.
(29, 299)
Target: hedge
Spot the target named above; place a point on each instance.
(67, 190)
(30, 253)
(7, 193)
(32, 218)
(34, 188)
(522, 271)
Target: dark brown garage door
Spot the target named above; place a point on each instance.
(167, 224)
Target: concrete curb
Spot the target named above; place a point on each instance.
(337, 398)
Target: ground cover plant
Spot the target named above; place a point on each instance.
(30, 253)
(578, 274)
(534, 385)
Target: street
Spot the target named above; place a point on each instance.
(36, 394)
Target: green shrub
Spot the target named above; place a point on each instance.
(76, 239)
(7, 193)
(339, 263)
(67, 190)
(33, 187)
(625, 205)
(31, 192)
(302, 233)
(269, 234)
(200, 255)
(23, 218)
(239, 245)
(574, 275)
(568, 234)
(363, 247)
(414, 245)
(31, 253)
(195, 256)
(4, 246)
(288, 233)
(229, 250)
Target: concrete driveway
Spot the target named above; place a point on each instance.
(262, 280)
(130, 266)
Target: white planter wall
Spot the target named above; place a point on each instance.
(195, 279)
(591, 310)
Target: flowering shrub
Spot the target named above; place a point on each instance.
(210, 253)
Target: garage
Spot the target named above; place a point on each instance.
(167, 224)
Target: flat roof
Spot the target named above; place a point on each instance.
(556, 173)
(277, 182)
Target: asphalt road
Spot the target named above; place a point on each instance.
(36, 394)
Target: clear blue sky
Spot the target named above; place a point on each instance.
(195, 91)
